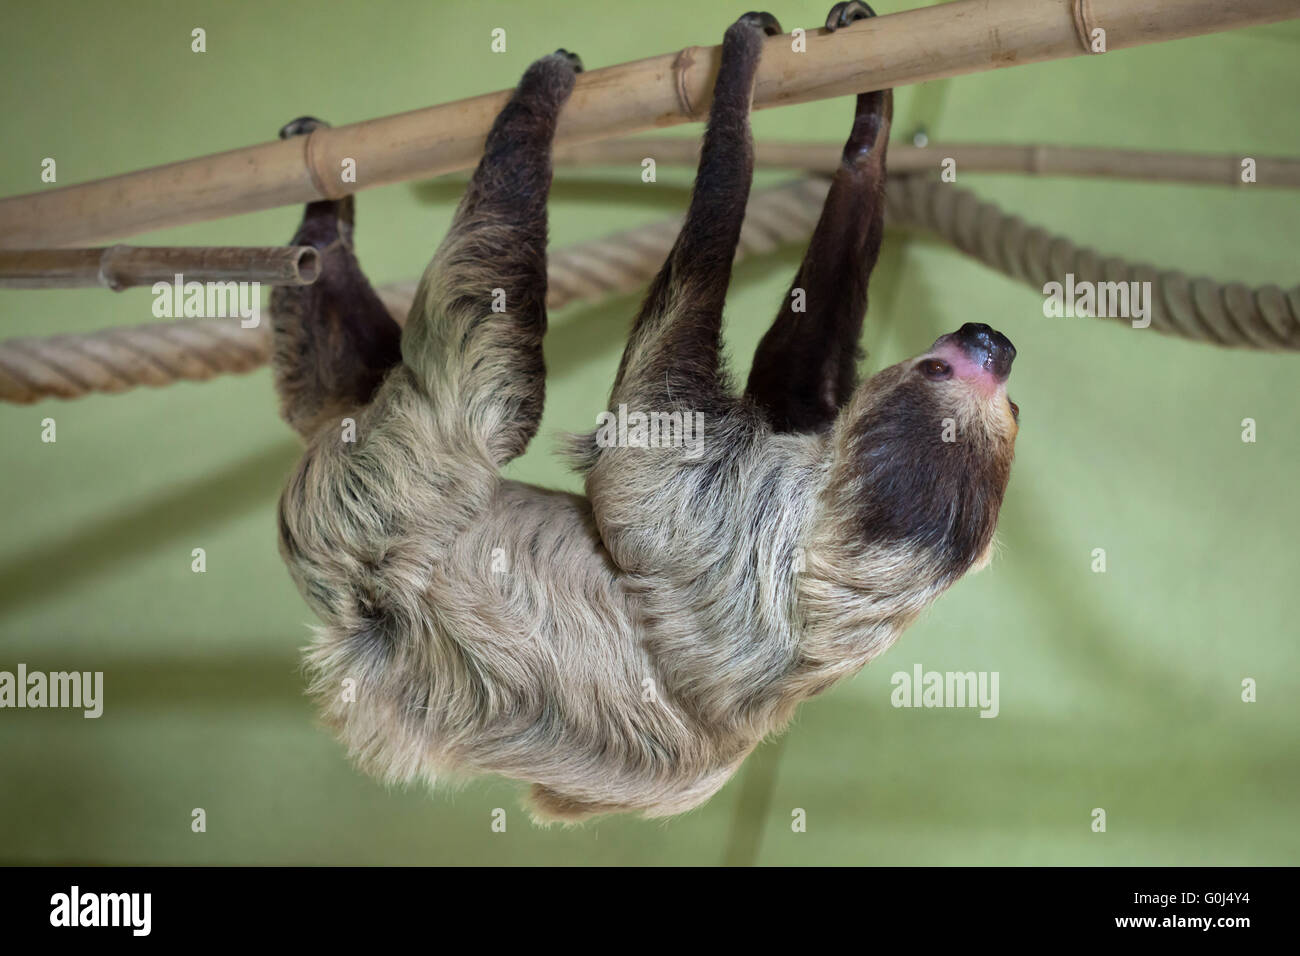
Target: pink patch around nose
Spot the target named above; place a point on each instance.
(964, 368)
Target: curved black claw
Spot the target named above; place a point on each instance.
(842, 14)
(301, 126)
(762, 20)
(572, 58)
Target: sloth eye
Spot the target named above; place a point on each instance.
(935, 369)
(1015, 410)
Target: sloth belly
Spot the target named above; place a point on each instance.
(522, 657)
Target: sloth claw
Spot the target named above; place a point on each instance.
(842, 14)
(762, 20)
(573, 58)
(874, 110)
(301, 126)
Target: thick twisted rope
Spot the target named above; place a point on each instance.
(1228, 314)
(114, 360)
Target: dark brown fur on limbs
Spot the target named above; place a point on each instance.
(624, 651)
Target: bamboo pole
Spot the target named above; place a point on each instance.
(1037, 160)
(120, 267)
(929, 43)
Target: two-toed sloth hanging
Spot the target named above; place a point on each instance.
(624, 651)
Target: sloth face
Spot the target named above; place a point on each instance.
(927, 449)
(978, 360)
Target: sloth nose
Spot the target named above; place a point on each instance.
(986, 347)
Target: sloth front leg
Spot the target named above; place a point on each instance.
(672, 354)
(805, 367)
(333, 340)
(474, 337)
(675, 438)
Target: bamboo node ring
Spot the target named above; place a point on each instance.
(108, 276)
(685, 60)
(318, 181)
(1038, 159)
(1083, 23)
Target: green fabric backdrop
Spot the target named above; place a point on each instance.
(1119, 690)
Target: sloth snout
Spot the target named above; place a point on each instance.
(978, 352)
(986, 347)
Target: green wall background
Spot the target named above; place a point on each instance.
(1118, 690)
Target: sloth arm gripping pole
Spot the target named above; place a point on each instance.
(805, 367)
(673, 351)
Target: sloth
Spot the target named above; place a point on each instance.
(622, 651)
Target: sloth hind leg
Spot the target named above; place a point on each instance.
(474, 337)
(805, 367)
(332, 341)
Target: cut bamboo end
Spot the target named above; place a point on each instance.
(121, 267)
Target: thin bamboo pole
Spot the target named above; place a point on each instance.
(929, 43)
(120, 267)
(1038, 160)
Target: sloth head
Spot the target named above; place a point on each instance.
(923, 452)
